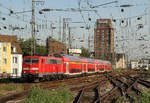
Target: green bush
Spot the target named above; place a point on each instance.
(1, 95)
(145, 97)
(60, 95)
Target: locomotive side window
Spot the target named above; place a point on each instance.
(49, 61)
(53, 61)
(27, 60)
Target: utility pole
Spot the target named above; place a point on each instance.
(64, 32)
(59, 36)
(89, 40)
(69, 36)
(33, 29)
(51, 30)
(149, 17)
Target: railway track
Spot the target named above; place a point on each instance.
(72, 83)
(122, 85)
(100, 88)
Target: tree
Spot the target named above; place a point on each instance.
(85, 52)
(26, 47)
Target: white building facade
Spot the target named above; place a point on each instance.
(16, 65)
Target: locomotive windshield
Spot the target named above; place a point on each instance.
(31, 60)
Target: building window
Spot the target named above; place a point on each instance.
(13, 49)
(15, 59)
(4, 61)
(4, 49)
(15, 71)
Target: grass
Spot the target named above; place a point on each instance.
(10, 87)
(38, 95)
(144, 98)
(1, 95)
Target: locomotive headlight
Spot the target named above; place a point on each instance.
(35, 68)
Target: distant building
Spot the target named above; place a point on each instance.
(120, 61)
(134, 64)
(11, 55)
(144, 63)
(55, 47)
(75, 52)
(104, 39)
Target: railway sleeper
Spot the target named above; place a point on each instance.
(145, 83)
(136, 90)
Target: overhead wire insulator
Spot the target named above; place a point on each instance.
(4, 27)
(122, 10)
(114, 20)
(11, 11)
(89, 19)
(139, 18)
(3, 18)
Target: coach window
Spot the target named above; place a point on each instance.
(54, 61)
(58, 61)
(49, 61)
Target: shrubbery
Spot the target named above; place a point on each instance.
(60, 95)
(145, 97)
(1, 95)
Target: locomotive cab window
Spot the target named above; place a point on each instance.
(35, 60)
(31, 60)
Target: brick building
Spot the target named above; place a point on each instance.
(104, 39)
(55, 47)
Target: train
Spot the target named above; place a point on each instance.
(62, 66)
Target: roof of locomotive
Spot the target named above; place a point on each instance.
(51, 57)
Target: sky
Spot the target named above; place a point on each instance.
(128, 35)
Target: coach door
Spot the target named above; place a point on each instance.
(83, 68)
(86, 69)
(67, 67)
(42, 65)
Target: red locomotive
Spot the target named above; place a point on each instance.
(64, 66)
